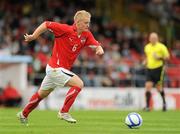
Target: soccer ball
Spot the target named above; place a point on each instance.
(133, 120)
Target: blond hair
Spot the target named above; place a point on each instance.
(81, 15)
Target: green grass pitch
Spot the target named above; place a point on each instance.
(89, 122)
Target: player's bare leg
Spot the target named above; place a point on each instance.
(161, 91)
(76, 85)
(148, 86)
(33, 103)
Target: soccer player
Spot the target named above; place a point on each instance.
(69, 41)
(156, 55)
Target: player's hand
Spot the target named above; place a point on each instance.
(28, 37)
(99, 50)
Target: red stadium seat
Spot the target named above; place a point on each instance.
(174, 76)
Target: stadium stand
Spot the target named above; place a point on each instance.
(122, 40)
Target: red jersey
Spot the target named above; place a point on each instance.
(67, 44)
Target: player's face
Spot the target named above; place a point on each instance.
(153, 38)
(83, 24)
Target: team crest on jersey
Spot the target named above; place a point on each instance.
(83, 40)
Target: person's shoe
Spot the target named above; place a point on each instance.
(164, 108)
(22, 119)
(67, 117)
(147, 109)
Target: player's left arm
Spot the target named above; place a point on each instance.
(99, 50)
(94, 44)
(144, 57)
(166, 54)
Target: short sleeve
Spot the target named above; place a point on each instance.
(91, 41)
(165, 52)
(145, 49)
(57, 28)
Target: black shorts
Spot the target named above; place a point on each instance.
(155, 75)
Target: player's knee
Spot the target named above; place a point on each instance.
(43, 93)
(148, 86)
(159, 88)
(81, 84)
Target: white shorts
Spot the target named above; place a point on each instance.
(55, 77)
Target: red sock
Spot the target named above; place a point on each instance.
(70, 98)
(33, 103)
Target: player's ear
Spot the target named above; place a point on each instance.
(78, 23)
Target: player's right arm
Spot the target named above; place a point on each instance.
(39, 30)
(144, 61)
(57, 28)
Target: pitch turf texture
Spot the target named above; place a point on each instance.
(90, 122)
